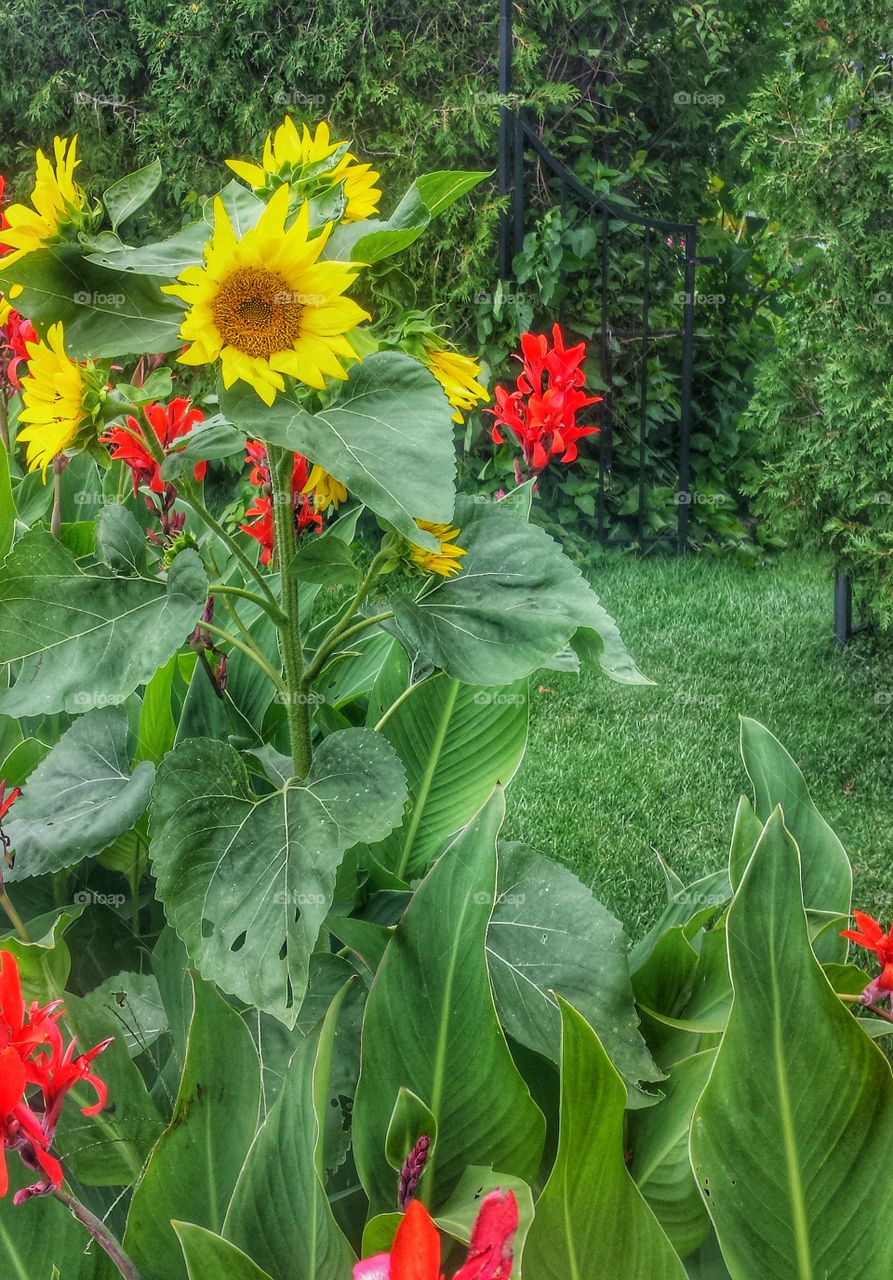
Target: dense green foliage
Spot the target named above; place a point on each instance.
(817, 136)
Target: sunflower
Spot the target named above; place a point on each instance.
(457, 374)
(327, 491)
(264, 306)
(445, 560)
(299, 160)
(57, 201)
(61, 399)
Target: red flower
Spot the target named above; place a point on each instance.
(415, 1254)
(871, 935)
(542, 410)
(7, 801)
(169, 422)
(32, 1055)
(15, 334)
(306, 517)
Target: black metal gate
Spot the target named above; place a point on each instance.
(534, 179)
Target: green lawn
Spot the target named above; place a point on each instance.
(613, 774)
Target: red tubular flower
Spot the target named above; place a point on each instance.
(169, 422)
(32, 1055)
(415, 1254)
(306, 517)
(870, 935)
(542, 410)
(15, 334)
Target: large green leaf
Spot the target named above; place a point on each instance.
(591, 1218)
(108, 1149)
(209, 1255)
(126, 196)
(793, 1132)
(104, 313)
(517, 601)
(827, 876)
(81, 797)
(87, 639)
(660, 1163)
(7, 505)
(280, 1213)
(373, 239)
(42, 1241)
(196, 1162)
(431, 1027)
(388, 437)
(548, 935)
(247, 880)
(457, 741)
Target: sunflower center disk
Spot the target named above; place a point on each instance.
(257, 313)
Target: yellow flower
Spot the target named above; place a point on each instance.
(5, 311)
(264, 306)
(327, 491)
(288, 157)
(457, 374)
(56, 397)
(56, 198)
(445, 560)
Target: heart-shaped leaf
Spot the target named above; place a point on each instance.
(87, 639)
(388, 437)
(81, 797)
(247, 880)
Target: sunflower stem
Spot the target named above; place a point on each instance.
(56, 517)
(297, 704)
(100, 1233)
(191, 498)
(4, 420)
(14, 918)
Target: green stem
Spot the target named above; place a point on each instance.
(191, 498)
(4, 420)
(100, 1233)
(398, 702)
(337, 637)
(250, 652)
(56, 517)
(297, 704)
(14, 918)
(223, 589)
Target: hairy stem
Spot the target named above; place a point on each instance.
(297, 705)
(100, 1233)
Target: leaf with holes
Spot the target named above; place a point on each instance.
(247, 880)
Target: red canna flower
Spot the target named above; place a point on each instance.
(415, 1254)
(169, 422)
(871, 935)
(7, 801)
(306, 515)
(32, 1056)
(542, 410)
(15, 334)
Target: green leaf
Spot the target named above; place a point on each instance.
(516, 603)
(209, 1255)
(157, 727)
(410, 1120)
(776, 779)
(549, 935)
(196, 1162)
(126, 196)
(87, 638)
(280, 1213)
(213, 438)
(327, 561)
(248, 893)
(797, 1119)
(373, 239)
(457, 742)
(163, 259)
(591, 1218)
(120, 542)
(745, 834)
(80, 797)
(44, 962)
(431, 1027)
(109, 1149)
(105, 314)
(388, 437)
(38, 1237)
(660, 1164)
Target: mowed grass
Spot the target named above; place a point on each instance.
(614, 775)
